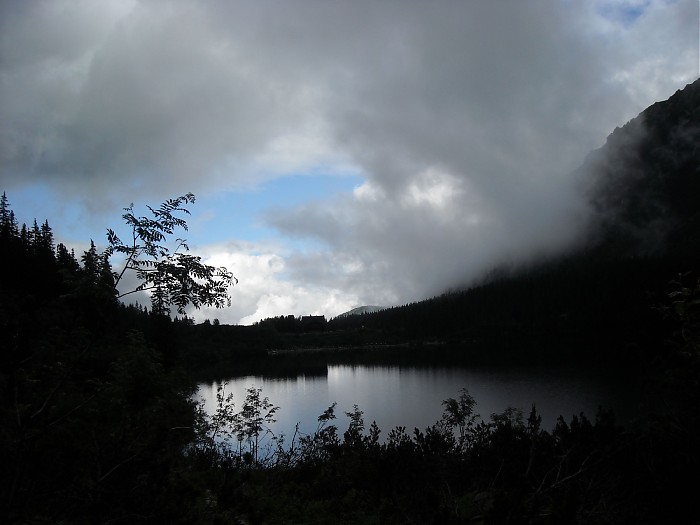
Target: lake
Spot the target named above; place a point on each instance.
(412, 396)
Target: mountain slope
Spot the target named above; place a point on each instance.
(644, 183)
(598, 302)
(367, 309)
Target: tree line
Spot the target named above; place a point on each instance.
(98, 424)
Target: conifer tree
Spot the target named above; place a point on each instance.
(35, 237)
(4, 209)
(66, 260)
(7, 218)
(91, 264)
(25, 237)
(105, 273)
(13, 224)
(46, 238)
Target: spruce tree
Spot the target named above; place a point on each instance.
(91, 264)
(25, 237)
(4, 216)
(35, 237)
(46, 238)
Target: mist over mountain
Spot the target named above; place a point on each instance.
(599, 299)
(97, 396)
(345, 154)
(643, 184)
(366, 309)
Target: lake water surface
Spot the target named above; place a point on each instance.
(412, 396)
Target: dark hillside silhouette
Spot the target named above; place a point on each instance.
(97, 424)
(644, 183)
(595, 302)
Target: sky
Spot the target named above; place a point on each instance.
(342, 153)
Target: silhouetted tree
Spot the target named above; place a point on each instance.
(91, 264)
(174, 277)
(46, 244)
(66, 260)
(8, 223)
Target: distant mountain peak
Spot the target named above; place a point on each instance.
(367, 309)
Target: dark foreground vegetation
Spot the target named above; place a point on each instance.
(460, 470)
(97, 424)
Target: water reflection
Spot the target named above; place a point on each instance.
(412, 397)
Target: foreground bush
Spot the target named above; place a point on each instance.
(460, 470)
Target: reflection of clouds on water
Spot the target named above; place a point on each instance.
(412, 397)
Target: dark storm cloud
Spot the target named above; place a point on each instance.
(151, 104)
(493, 106)
(465, 118)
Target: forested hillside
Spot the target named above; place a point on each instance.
(598, 300)
(97, 424)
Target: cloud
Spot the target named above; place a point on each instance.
(264, 289)
(469, 142)
(465, 120)
(161, 97)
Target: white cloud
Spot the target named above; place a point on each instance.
(464, 118)
(264, 289)
(367, 191)
(432, 188)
